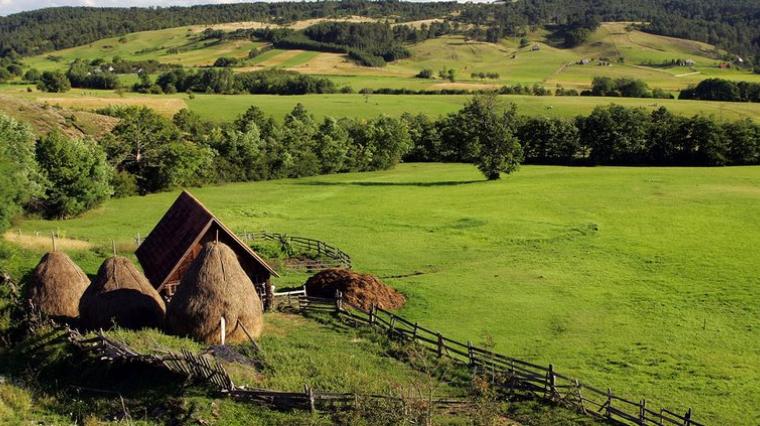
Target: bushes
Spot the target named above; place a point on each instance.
(77, 172)
(20, 181)
(225, 62)
(54, 81)
(625, 87)
(278, 82)
(716, 89)
(425, 73)
(82, 74)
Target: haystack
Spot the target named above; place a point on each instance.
(56, 286)
(215, 287)
(361, 290)
(121, 295)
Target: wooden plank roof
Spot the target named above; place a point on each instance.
(181, 227)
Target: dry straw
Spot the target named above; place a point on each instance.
(215, 287)
(56, 286)
(121, 295)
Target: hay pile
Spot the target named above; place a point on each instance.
(121, 294)
(56, 286)
(362, 290)
(215, 286)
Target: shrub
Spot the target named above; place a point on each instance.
(54, 81)
(78, 173)
(425, 73)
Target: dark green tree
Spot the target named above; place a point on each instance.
(78, 175)
(54, 81)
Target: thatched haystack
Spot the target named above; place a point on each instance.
(361, 290)
(122, 295)
(215, 286)
(56, 286)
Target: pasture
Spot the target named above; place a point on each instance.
(226, 107)
(641, 279)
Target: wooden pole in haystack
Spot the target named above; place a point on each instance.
(223, 329)
(55, 246)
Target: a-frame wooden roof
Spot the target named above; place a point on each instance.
(182, 227)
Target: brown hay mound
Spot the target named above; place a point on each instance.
(121, 294)
(56, 286)
(361, 290)
(215, 286)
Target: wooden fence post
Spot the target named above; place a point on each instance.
(414, 334)
(372, 314)
(310, 394)
(687, 418)
(551, 382)
(440, 344)
(338, 301)
(609, 403)
(642, 411)
(470, 354)
(392, 324)
(580, 396)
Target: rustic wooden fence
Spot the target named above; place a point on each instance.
(194, 367)
(197, 368)
(512, 375)
(327, 255)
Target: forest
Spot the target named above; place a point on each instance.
(734, 26)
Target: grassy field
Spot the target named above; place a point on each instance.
(226, 108)
(641, 279)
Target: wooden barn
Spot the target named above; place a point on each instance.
(177, 239)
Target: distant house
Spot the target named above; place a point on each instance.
(177, 239)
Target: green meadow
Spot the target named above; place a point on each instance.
(226, 107)
(644, 280)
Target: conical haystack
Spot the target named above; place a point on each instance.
(215, 286)
(121, 295)
(56, 286)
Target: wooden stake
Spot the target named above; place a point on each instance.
(217, 236)
(113, 245)
(55, 246)
(223, 330)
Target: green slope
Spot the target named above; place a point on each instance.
(642, 279)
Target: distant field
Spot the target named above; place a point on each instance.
(549, 66)
(226, 107)
(642, 279)
(172, 46)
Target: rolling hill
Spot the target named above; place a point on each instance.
(541, 61)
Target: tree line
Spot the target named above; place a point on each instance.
(57, 176)
(716, 89)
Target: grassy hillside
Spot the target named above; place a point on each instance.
(549, 66)
(642, 279)
(172, 46)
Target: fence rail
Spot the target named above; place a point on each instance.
(200, 369)
(513, 375)
(336, 258)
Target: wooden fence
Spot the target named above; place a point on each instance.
(200, 369)
(327, 256)
(193, 367)
(512, 375)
